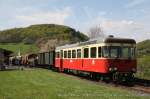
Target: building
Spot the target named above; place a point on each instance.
(4, 58)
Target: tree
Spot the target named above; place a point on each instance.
(95, 32)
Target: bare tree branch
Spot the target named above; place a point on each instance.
(95, 32)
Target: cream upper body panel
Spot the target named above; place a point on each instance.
(96, 45)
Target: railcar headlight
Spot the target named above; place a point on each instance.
(115, 68)
(110, 69)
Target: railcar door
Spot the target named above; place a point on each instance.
(61, 61)
(85, 62)
(57, 59)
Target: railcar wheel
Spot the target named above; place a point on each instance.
(115, 77)
(130, 80)
(94, 76)
(102, 78)
(106, 78)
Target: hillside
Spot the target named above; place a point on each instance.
(47, 31)
(143, 49)
(41, 35)
(23, 48)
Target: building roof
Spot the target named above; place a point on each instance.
(6, 52)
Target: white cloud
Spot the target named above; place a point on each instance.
(119, 28)
(40, 17)
(134, 3)
(114, 25)
(101, 13)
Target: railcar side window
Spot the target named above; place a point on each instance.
(73, 53)
(69, 54)
(93, 52)
(99, 51)
(61, 53)
(86, 52)
(78, 53)
(65, 54)
(106, 51)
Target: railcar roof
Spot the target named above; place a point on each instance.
(99, 40)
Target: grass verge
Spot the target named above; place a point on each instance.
(46, 84)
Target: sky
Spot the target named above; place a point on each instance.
(121, 18)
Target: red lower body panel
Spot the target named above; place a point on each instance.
(57, 62)
(97, 65)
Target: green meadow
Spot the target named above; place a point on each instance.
(16, 47)
(46, 84)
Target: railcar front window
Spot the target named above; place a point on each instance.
(111, 51)
(128, 52)
(114, 52)
(125, 52)
(106, 51)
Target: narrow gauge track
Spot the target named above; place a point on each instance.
(139, 85)
(142, 85)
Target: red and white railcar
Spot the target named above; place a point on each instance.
(111, 56)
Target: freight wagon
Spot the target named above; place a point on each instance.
(46, 59)
(4, 58)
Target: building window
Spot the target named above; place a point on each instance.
(86, 52)
(65, 54)
(69, 54)
(93, 52)
(99, 51)
(78, 53)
